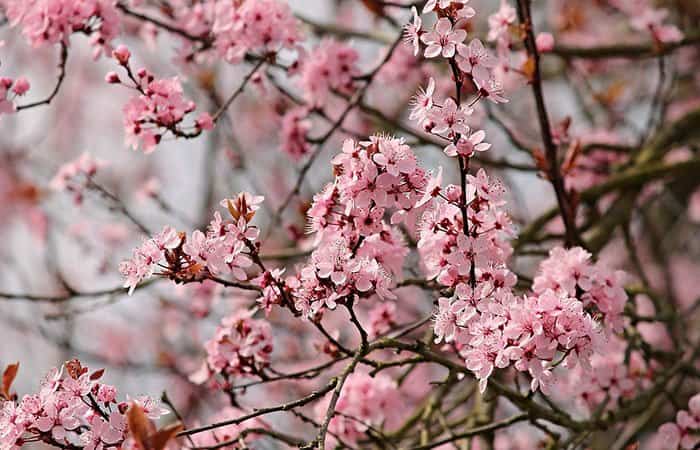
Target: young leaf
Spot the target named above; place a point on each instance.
(8, 376)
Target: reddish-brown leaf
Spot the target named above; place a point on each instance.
(540, 161)
(96, 375)
(74, 368)
(572, 154)
(528, 68)
(374, 6)
(140, 426)
(8, 376)
(161, 438)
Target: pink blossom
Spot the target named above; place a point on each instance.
(413, 31)
(443, 40)
(330, 65)
(544, 42)
(53, 21)
(474, 59)
(467, 144)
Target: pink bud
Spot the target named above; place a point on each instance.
(205, 121)
(544, 42)
(112, 78)
(122, 54)
(21, 86)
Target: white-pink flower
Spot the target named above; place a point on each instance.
(443, 39)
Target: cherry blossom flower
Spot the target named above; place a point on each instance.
(443, 39)
(683, 433)
(75, 176)
(500, 23)
(413, 31)
(450, 119)
(467, 144)
(422, 103)
(463, 11)
(9, 90)
(474, 59)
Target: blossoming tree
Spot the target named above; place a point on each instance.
(351, 224)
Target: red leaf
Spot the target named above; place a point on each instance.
(74, 368)
(8, 376)
(161, 438)
(374, 6)
(96, 375)
(141, 428)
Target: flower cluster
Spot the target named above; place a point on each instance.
(335, 275)
(148, 256)
(572, 273)
(470, 61)
(477, 258)
(449, 122)
(53, 21)
(71, 410)
(683, 433)
(364, 402)
(490, 326)
(9, 90)
(331, 66)
(357, 247)
(75, 176)
(159, 108)
(373, 177)
(262, 26)
(610, 379)
(241, 346)
(225, 248)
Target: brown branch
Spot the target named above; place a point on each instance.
(565, 207)
(59, 82)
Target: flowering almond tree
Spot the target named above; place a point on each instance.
(272, 224)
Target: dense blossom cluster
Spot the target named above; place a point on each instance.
(460, 260)
(358, 247)
(9, 90)
(160, 107)
(332, 65)
(364, 403)
(409, 289)
(241, 346)
(263, 26)
(610, 379)
(490, 326)
(225, 248)
(572, 273)
(53, 21)
(236, 30)
(72, 409)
